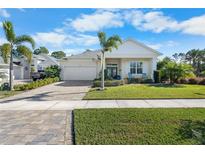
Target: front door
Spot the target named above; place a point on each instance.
(112, 70)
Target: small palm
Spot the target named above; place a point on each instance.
(15, 46)
(107, 44)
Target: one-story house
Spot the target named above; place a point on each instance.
(131, 59)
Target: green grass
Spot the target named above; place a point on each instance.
(135, 91)
(139, 126)
(4, 94)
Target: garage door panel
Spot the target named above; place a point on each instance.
(79, 73)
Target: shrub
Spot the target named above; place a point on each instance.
(135, 80)
(202, 82)
(35, 84)
(157, 76)
(53, 71)
(97, 83)
(194, 81)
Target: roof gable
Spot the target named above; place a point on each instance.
(133, 49)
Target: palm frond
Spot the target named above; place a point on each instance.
(5, 52)
(102, 38)
(25, 51)
(113, 42)
(9, 31)
(23, 39)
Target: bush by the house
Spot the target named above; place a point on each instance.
(53, 71)
(202, 82)
(36, 84)
(97, 83)
(157, 76)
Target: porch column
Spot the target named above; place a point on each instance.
(153, 66)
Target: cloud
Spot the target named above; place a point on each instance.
(155, 46)
(157, 22)
(154, 21)
(194, 26)
(160, 45)
(56, 39)
(4, 13)
(96, 21)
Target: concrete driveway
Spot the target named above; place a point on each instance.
(66, 90)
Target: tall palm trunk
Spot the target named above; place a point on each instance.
(103, 70)
(11, 70)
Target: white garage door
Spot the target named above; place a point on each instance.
(79, 73)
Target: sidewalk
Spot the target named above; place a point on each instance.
(70, 105)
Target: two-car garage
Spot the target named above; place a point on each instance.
(79, 69)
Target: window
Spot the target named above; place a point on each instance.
(139, 68)
(133, 67)
(136, 67)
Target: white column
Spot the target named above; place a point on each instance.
(153, 66)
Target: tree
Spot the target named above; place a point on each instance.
(58, 54)
(107, 44)
(14, 47)
(40, 50)
(163, 62)
(197, 59)
(174, 71)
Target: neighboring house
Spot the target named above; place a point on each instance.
(38, 62)
(131, 59)
(22, 68)
(18, 70)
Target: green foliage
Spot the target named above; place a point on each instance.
(9, 31)
(23, 50)
(5, 51)
(15, 46)
(139, 126)
(174, 71)
(97, 83)
(40, 50)
(53, 71)
(58, 54)
(108, 44)
(24, 38)
(36, 84)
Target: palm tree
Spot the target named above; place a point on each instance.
(15, 46)
(107, 44)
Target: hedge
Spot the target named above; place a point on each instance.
(97, 83)
(35, 84)
(200, 81)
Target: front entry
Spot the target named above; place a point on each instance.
(111, 70)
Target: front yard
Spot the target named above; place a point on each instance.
(143, 91)
(139, 126)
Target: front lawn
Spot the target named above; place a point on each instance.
(4, 94)
(135, 91)
(139, 126)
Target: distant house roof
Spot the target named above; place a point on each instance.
(54, 60)
(86, 54)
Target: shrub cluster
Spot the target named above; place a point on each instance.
(200, 81)
(97, 83)
(138, 80)
(52, 71)
(35, 84)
